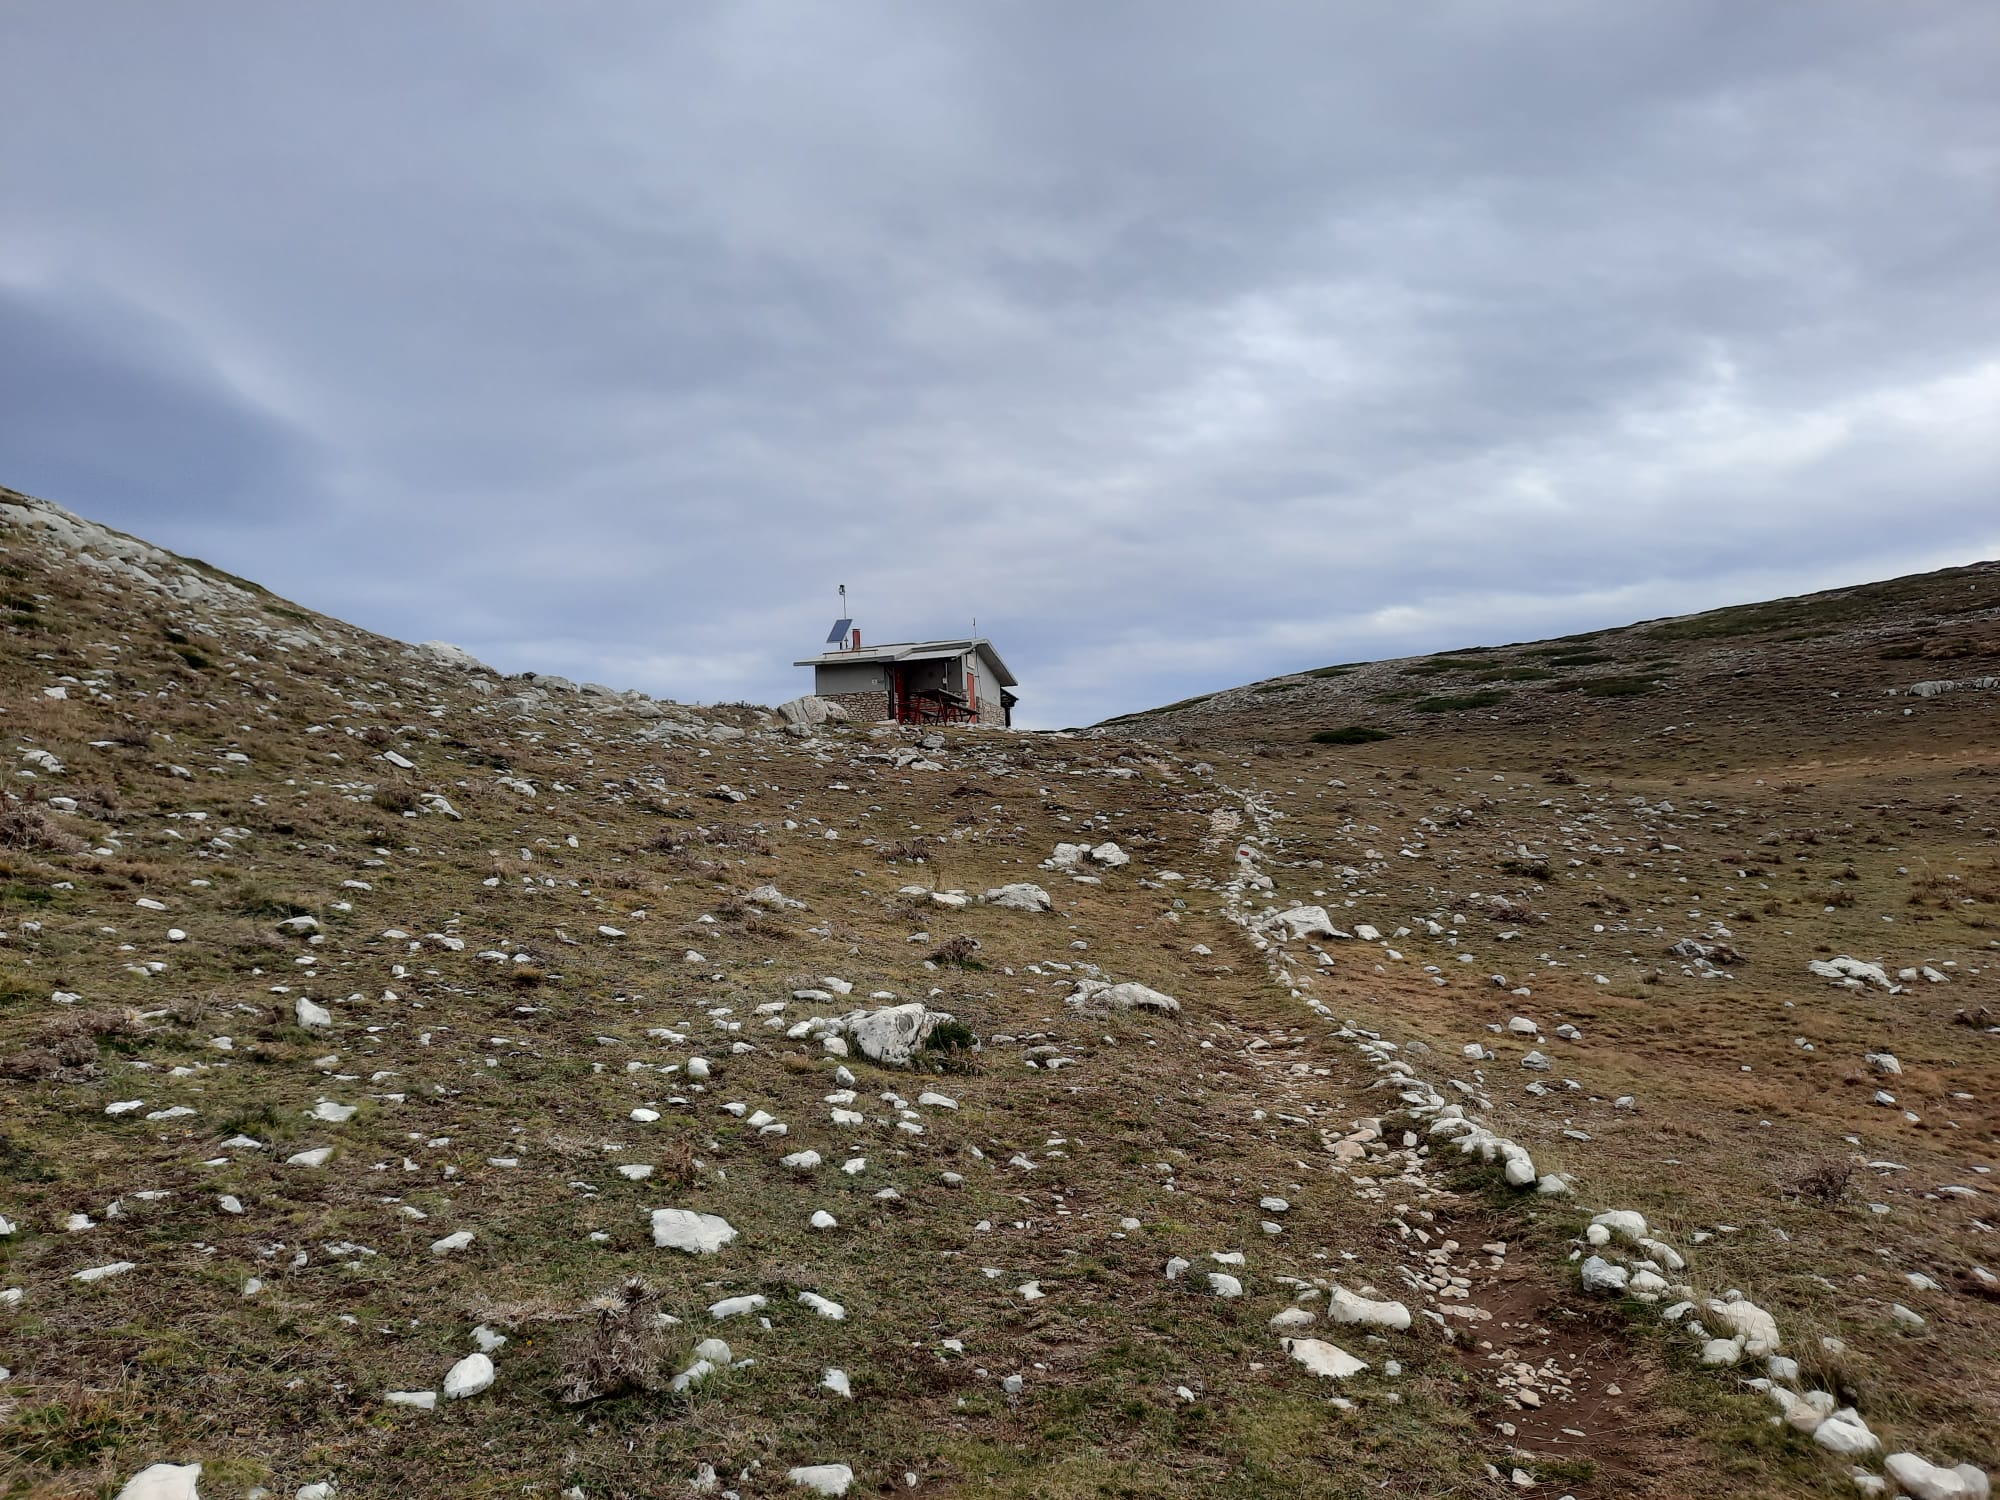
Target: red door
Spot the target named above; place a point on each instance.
(972, 688)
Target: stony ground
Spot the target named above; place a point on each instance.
(377, 1029)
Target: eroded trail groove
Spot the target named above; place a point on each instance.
(414, 1071)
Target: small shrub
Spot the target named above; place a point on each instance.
(252, 1120)
(1824, 1182)
(24, 826)
(1615, 687)
(1436, 666)
(1455, 702)
(396, 799)
(729, 836)
(676, 1166)
(622, 1350)
(1352, 734)
(959, 950)
(254, 899)
(952, 1047)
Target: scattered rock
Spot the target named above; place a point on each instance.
(696, 1233)
(468, 1377)
(1324, 1359)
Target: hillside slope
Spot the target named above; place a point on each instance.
(375, 1026)
(1828, 670)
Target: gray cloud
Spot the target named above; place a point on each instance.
(1181, 344)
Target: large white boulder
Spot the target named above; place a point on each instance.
(893, 1035)
(163, 1482)
(1098, 994)
(1306, 922)
(1019, 896)
(684, 1229)
(447, 655)
(810, 712)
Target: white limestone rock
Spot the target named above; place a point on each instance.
(1622, 1221)
(1344, 1306)
(1098, 995)
(1749, 1322)
(1927, 1481)
(468, 1377)
(696, 1233)
(809, 712)
(1327, 1360)
(1850, 972)
(163, 1482)
(105, 1272)
(822, 1479)
(893, 1035)
(1846, 1433)
(1021, 895)
(1722, 1352)
(1302, 922)
(826, 1307)
(1599, 1275)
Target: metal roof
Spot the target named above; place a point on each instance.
(902, 651)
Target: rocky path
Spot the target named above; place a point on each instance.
(1556, 1374)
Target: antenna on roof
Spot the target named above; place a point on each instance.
(838, 634)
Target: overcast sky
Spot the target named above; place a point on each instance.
(1181, 344)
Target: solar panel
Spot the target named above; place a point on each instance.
(838, 633)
